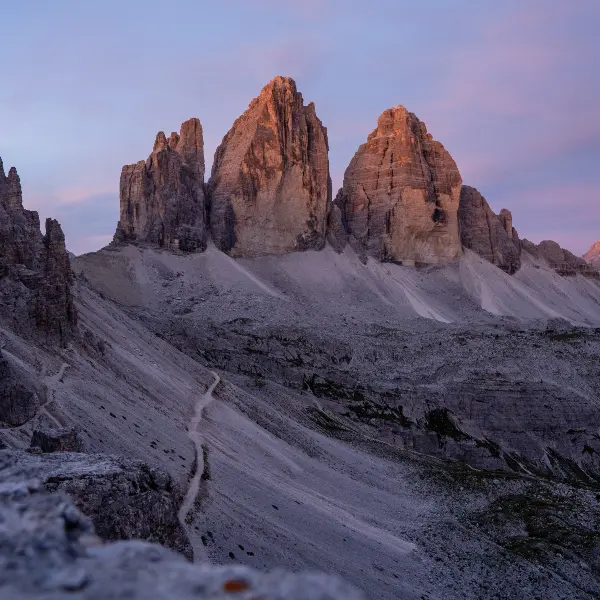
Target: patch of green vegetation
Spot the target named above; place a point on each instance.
(550, 522)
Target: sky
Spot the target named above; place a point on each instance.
(511, 88)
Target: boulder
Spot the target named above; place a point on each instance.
(162, 199)
(56, 440)
(270, 184)
(489, 235)
(400, 196)
(125, 499)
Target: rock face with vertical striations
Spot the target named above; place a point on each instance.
(400, 197)
(270, 185)
(162, 199)
(489, 235)
(35, 274)
(592, 256)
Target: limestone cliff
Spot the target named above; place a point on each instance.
(561, 260)
(270, 184)
(35, 274)
(400, 196)
(592, 256)
(489, 235)
(162, 199)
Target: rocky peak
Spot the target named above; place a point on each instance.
(162, 199)
(34, 268)
(489, 235)
(270, 185)
(561, 260)
(593, 255)
(400, 196)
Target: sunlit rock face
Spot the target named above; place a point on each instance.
(270, 185)
(491, 236)
(593, 255)
(162, 199)
(400, 196)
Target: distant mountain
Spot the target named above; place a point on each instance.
(593, 254)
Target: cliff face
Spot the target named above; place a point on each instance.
(35, 274)
(162, 200)
(489, 235)
(592, 256)
(561, 260)
(270, 184)
(400, 197)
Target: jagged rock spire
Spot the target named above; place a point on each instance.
(491, 236)
(162, 199)
(35, 268)
(270, 185)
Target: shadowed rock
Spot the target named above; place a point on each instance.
(56, 440)
(491, 236)
(35, 274)
(125, 499)
(400, 196)
(270, 182)
(19, 398)
(162, 199)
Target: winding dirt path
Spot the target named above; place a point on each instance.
(193, 433)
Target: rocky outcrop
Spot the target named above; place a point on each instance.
(162, 199)
(489, 235)
(270, 185)
(592, 256)
(35, 274)
(19, 397)
(400, 196)
(125, 499)
(57, 440)
(561, 260)
(48, 549)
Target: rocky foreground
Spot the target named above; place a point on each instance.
(48, 549)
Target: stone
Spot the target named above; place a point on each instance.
(559, 259)
(337, 233)
(48, 549)
(125, 499)
(592, 256)
(489, 235)
(162, 199)
(19, 398)
(401, 192)
(270, 186)
(57, 440)
(35, 274)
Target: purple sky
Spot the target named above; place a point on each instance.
(511, 88)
